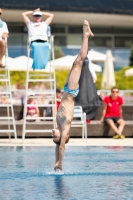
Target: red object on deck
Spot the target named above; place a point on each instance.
(88, 121)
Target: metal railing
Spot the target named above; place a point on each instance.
(127, 95)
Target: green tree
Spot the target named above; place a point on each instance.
(131, 57)
(61, 76)
(58, 53)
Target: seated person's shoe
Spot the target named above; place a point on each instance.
(116, 136)
(122, 137)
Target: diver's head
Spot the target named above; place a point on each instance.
(57, 137)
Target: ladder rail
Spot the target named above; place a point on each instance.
(52, 92)
(52, 49)
(8, 112)
(6, 79)
(25, 101)
(12, 111)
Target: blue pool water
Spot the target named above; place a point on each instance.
(90, 173)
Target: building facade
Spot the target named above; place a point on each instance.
(111, 21)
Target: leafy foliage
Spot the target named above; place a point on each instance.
(122, 82)
(61, 76)
(131, 57)
(58, 53)
(18, 76)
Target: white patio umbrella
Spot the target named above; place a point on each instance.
(108, 79)
(129, 72)
(20, 64)
(64, 62)
(97, 68)
(96, 56)
(8, 61)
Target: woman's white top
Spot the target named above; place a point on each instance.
(4, 29)
(37, 31)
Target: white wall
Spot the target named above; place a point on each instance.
(76, 18)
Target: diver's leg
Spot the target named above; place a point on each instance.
(74, 75)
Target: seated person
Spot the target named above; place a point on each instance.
(32, 111)
(37, 30)
(20, 86)
(48, 112)
(3, 35)
(112, 113)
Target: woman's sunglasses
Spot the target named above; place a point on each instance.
(37, 16)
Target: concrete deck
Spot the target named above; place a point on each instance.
(72, 142)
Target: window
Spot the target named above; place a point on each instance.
(57, 29)
(123, 41)
(60, 40)
(75, 29)
(101, 41)
(15, 40)
(123, 31)
(74, 39)
(102, 30)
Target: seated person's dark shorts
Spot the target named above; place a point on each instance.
(115, 119)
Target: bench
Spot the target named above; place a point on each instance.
(101, 130)
(78, 121)
(93, 129)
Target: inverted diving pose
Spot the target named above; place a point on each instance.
(66, 110)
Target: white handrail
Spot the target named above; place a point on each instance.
(6, 78)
